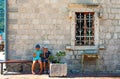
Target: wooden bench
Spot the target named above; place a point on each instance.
(13, 61)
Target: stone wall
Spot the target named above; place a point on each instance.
(109, 34)
(47, 22)
(36, 21)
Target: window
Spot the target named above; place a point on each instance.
(84, 30)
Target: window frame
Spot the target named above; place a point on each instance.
(72, 27)
(76, 26)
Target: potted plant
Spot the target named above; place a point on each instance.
(57, 67)
(57, 58)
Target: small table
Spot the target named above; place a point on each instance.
(89, 57)
(13, 61)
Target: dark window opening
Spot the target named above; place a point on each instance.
(84, 31)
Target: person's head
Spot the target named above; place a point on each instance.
(45, 49)
(37, 47)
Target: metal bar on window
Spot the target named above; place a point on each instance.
(85, 28)
(89, 27)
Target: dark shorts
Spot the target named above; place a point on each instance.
(44, 60)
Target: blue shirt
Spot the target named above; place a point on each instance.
(38, 53)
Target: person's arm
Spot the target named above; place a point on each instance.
(44, 54)
(34, 54)
(41, 54)
(49, 53)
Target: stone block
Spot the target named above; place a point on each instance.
(115, 22)
(119, 22)
(12, 21)
(47, 1)
(107, 22)
(23, 16)
(117, 16)
(25, 22)
(24, 10)
(115, 6)
(118, 67)
(76, 62)
(25, 27)
(117, 28)
(75, 52)
(68, 56)
(24, 37)
(80, 52)
(115, 10)
(69, 52)
(12, 2)
(78, 57)
(107, 10)
(12, 9)
(72, 57)
(66, 42)
(111, 16)
(58, 69)
(53, 1)
(22, 1)
(105, 16)
(53, 41)
(115, 36)
(108, 35)
(16, 27)
(35, 21)
(115, 1)
(119, 35)
(59, 42)
(102, 28)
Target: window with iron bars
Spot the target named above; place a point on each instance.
(84, 30)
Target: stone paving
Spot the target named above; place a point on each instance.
(29, 76)
(86, 75)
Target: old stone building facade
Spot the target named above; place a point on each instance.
(53, 23)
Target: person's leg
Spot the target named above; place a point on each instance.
(44, 63)
(40, 62)
(48, 64)
(33, 66)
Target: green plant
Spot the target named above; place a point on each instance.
(51, 57)
(57, 57)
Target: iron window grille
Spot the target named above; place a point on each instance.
(84, 30)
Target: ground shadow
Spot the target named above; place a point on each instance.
(94, 74)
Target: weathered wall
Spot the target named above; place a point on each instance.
(37, 21)
(109, 34)
(47, 22)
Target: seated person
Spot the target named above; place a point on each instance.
(46, 61)
(36, 58)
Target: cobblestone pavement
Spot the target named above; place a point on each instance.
(29, 76)
(69, 76)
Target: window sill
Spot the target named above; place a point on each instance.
(81, 47)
